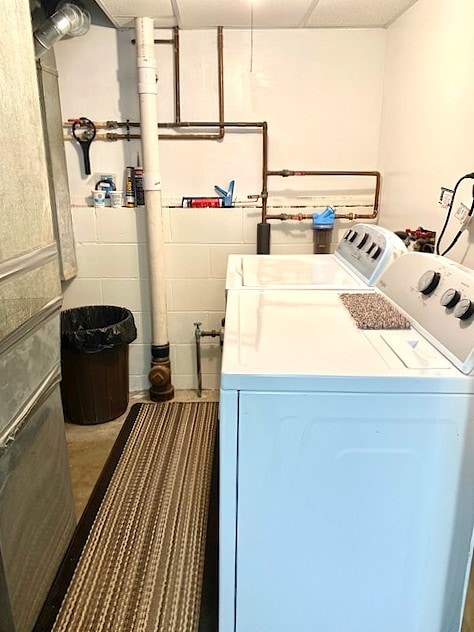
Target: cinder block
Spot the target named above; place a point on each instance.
(199, 294)
(138, 383)
(184, 382)
(134, 294)
(112, 261)
(220, 253)
(185, 357)
(181, 325)
(205, 226)
(211, 382)
(124, 225)
(215, 319)
(250, 218)
(84, 226)
(187, 261)
(189, 382)
(139, 359)
(166, 224)
(143, 325)
(80, 292)
(292, 232)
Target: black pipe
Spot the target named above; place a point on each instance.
(160, 352)
(263, 238)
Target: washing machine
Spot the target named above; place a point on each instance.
(347, 455)
(361, 256)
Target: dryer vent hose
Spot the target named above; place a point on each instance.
(69, 20)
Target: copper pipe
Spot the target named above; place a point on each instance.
(183, 124)
(263, 125)
(104, 136)
(232, 124)
(264, 171)
(178, 124)
(283, 217)
(220, 73)
(372, 215)
(177, 89)
(190, 136)
(305, 216)
(376, 174)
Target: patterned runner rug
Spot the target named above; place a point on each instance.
(136, 561)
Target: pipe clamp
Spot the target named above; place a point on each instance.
(152, 181)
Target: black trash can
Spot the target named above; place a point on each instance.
(94, 362)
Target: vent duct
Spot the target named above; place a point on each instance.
(69, 20)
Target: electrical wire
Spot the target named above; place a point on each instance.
(460, 232)
(448, 215)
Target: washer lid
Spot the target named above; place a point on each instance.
(290, 272)
(306, 340)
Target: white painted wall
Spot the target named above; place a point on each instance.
(427, 123)
(321, 93)
(319, 90)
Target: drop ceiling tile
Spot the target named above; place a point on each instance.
(271, 14)
(235, 13)
(211, 13)
(122, 12)
(194, 14)
(357, 13)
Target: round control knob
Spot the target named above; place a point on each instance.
(450, 298)
(363, 241)
(464, 309)
(429, 282)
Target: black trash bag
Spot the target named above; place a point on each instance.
(94, 328)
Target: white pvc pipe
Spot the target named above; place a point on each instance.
(147, 93)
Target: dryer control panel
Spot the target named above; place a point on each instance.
(438, 296)
(368, 249)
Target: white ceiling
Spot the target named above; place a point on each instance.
(196, 14)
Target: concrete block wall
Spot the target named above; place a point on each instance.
(113, 269)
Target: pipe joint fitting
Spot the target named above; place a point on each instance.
(159, 375)
(161, 389)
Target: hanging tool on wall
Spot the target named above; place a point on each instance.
(84, 131)
(224, 199)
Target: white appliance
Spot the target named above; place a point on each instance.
(361, 256)
(347, 458)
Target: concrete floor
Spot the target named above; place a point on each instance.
(89, 447)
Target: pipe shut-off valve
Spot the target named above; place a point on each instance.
(198, 334)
